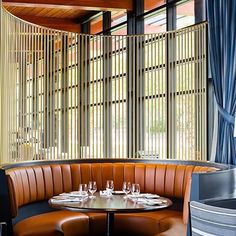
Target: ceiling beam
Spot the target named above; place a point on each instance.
(53, 23)
(97, 5)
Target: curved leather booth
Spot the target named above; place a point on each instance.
(30, 187)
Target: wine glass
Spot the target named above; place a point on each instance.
(83, 190)
(92, 188)
(126, 188)
(135, 190)
(109, 187)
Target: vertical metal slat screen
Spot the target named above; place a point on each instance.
(66, 95)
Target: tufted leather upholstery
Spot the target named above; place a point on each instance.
(37, 183)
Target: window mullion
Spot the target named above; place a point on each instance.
(171, 78)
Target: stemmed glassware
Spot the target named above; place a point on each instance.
(126, 188)
(92, 188)
(109, 187)
(135, 190)
(83, 190)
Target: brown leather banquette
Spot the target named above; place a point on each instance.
(30, 187)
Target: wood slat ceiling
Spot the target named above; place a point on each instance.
(55, 18)
(62, 14)
(47, 12)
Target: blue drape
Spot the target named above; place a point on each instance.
(222, 55)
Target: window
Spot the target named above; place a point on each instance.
(96, 25)
(159, 101)
(95, 144)
(155, 22)
(185, 14)
(152, 4)
(122, 30)
(118, 95)
(155, 96)
(118, 17)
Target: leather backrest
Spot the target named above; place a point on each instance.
(36, 183)
(186, 201)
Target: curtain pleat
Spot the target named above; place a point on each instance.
(222, 54)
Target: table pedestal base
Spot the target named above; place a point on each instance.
(110, 223)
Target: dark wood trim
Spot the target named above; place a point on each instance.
(53, 23)
(79, 4)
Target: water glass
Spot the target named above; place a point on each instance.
(92, 188)
(135, 190)
(83, 189)
(126, 188)
(109, 187)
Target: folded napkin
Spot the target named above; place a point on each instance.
(143, 195)
(133, 196)
(60, 198)
(105, 193)
(149, 195)
(149, 201)
(74, 194)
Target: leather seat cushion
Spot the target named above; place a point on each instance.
(97, 224)
(147, 223)
(172, 226)
(57, 223)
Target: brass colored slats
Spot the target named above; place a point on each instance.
(67, 95)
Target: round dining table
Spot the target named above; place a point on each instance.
(110, 205)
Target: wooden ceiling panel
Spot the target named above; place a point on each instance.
(46, 12)
(77, 4)
(51, 13)
(53, 23)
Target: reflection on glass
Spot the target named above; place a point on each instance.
(155, 22)
(152, 4)
(135, 190)
(120, 30)
(96, 25)
(92, 188)
(109, 187)
(83, 189)
(126, 188)
(185, 14)
(117, 17)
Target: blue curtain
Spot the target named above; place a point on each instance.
(222, 54)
